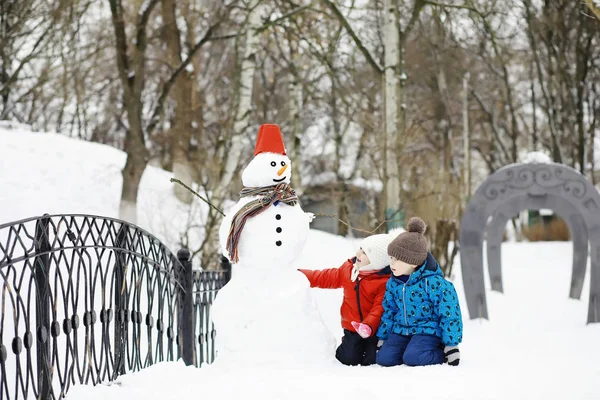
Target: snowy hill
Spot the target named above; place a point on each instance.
(536, 345)
(50, 173)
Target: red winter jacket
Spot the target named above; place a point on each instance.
(367, 292)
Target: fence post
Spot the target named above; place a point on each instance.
(41, 265)
(186, 305)
(121, 316)
(226, 266)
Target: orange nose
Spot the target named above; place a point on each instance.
(282, 170)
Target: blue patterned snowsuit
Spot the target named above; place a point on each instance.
(422, 313)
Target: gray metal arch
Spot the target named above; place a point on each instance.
(507, 185)
(570, 214)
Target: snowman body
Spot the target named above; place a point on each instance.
(276, 236)
(265, 313)
(269, 317)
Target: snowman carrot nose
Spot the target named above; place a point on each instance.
(282, 170)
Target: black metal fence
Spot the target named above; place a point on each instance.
(84, 299)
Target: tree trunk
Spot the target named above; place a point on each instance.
(534, 134)
(342, 211)
(132, 176)
(244, 109)
(6, 52)
(543, 80)
(466, 140)
(446, 231)
(240, 125)
(582, 56)
(340, 184)
(181, 128)
(592, 156)
(391, 104)
(196, 153)
(295, 104)
(131, 74)
(137, 159)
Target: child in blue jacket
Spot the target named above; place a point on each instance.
(421, 322)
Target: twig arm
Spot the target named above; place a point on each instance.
(197, 195)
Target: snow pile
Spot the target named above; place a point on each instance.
(536, 157)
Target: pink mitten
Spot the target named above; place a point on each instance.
(363, 330)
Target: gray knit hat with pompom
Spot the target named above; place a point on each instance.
(410, 246)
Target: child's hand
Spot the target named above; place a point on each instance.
(452, 355)
(363, 330)
(310, 216)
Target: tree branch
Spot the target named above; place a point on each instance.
(266, 25)
(351, 227)
(490, 115)
(458, 6)
(283, 17)
(15, 75)
(142, 22)
(593, 8)
(505, 77)
(419, 4)
(334, 8)
(155, 118)
(208, 36)
(139, 57)
(225, 37)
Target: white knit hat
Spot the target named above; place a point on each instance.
(375, 247)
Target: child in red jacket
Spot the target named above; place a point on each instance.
(363, 279)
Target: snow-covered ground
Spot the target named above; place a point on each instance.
(536, 344)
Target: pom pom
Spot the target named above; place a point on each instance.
(416, 224)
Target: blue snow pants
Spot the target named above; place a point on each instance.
(411, 350)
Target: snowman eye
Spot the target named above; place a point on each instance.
(273, 164)
(283, 163)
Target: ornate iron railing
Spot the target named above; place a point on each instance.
(84, 299)
(206, 285)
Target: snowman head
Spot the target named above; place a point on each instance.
(270, 165)
(267, 169)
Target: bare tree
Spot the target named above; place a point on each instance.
(562, 35)
(131, 62)
(183, 119)
(26, 29)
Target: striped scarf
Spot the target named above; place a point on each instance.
(269, 195)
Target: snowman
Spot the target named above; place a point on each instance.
(265, 313)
